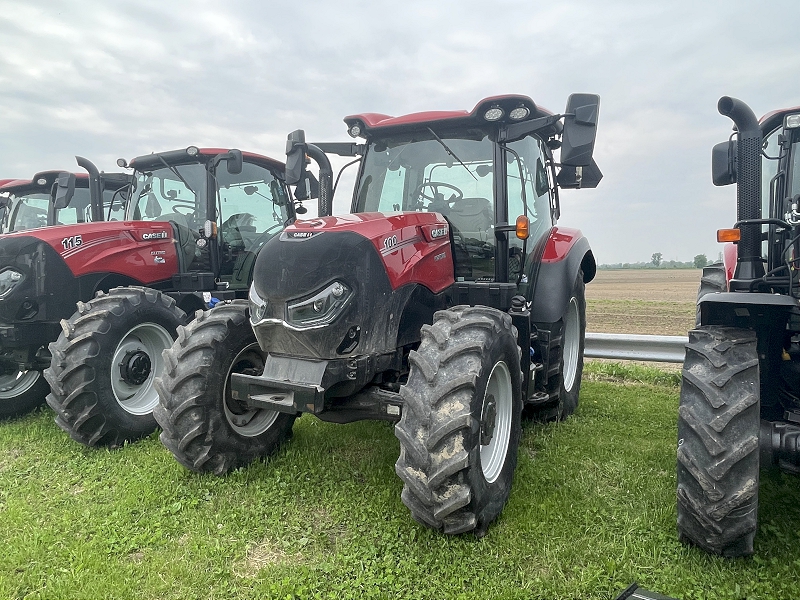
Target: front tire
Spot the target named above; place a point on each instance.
(461, 421)
(713, 280)
(104, 363)
(21, 392)
(718, 447)
(203, 426)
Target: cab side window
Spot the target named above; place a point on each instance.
(527, 169)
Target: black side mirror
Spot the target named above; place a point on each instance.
(723, 162)
(579, 177)
(64, 190)
(295, 157)
(234, 162)
(307, 188)
(580, 130)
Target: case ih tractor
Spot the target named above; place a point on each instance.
(194, 220)
(740, 397)
(42, 202)
(50, 198)
(447, 302)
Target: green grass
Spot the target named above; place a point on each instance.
(592, 509)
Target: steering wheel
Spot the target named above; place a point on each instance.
(189, 209)
(418, 194)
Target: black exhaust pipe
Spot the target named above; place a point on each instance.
(325, 180)
(748, 186)
(95, 190)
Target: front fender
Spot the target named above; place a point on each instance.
(567, 251)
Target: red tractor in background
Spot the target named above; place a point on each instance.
(30, 204)
(447, 302)
(740, 396)
(50, 198)
(192, 223)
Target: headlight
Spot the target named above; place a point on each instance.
(9, 279)
(258, 306)
(321, 308)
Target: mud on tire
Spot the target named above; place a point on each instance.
(204, 428)
(97, 400)
(718, 449)
(456, 465)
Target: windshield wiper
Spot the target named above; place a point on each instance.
(451, 153)
(174, 170)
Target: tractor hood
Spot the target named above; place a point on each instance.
(325, 279)
(142, 250)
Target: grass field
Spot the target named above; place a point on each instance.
(592, 509)
(648, 301)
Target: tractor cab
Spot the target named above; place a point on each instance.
(222, 205)
(56, 198)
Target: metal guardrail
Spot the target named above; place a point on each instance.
(625, 346)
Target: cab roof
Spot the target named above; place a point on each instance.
(149, 161)
(378, 123)
(16, 185)
(774, 118)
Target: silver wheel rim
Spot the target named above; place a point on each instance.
(571, 343)
(151, 339)
(251, 422)
(17, 383)
(493, 454)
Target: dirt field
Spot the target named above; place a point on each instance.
(648, 301)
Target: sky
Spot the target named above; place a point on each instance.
(106, 79)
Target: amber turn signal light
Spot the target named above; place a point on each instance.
(729, 235)
(523, 227)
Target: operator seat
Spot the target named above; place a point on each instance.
(472, 217)
(187, 237)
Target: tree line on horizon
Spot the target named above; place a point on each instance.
(657, 262)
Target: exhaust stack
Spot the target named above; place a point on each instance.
(748, 186)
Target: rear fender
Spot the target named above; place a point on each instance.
(567, 252)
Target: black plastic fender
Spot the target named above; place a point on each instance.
(555, 279)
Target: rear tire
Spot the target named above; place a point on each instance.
(21, 392)
(203, 426)
(718, 446)
(569, 340)
(460, 427)
(104, 363)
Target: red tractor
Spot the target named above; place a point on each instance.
(42, 202)
(740, 397)
(50, 198)
(192, 224)
(447, 302)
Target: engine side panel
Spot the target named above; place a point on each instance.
(414, 246)
(142, 250)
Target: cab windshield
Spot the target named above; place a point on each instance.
(28, 211)
(177, 194)
(451, 175)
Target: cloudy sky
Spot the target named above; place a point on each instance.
(107, 79)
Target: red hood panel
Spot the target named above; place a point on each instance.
(142, 250)
(414, 246)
